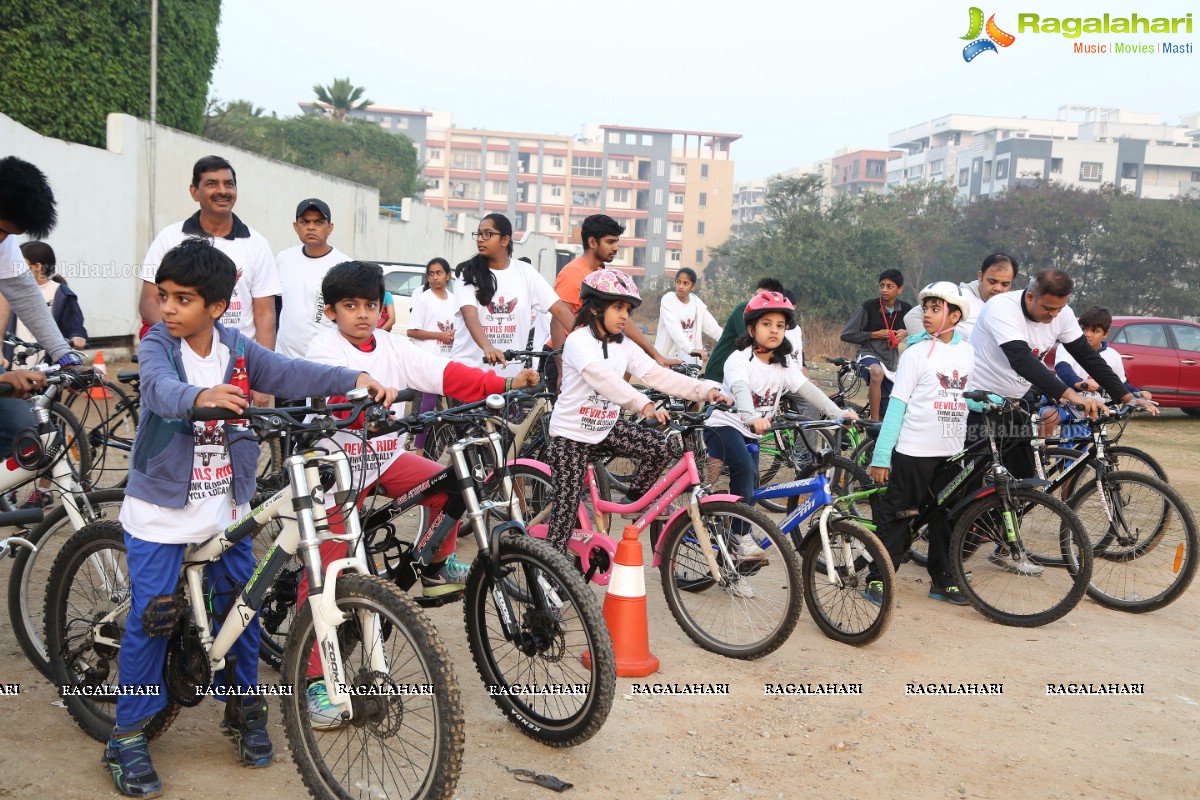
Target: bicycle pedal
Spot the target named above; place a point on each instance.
(162, 615)
(438, 602)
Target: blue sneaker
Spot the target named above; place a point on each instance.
(874, 592)
(322, 714)
(249, 733)
(128, 759)
(950, 594)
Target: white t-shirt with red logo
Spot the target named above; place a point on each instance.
(931, 378)
(507, 320)
(1003, 320)
(209, 508)
(431, 313)
(303, 313)
(768, 383)
(581, 413)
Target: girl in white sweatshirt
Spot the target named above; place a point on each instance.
(683, 319)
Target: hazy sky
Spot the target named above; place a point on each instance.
(796, 80)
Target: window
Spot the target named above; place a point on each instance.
(1187, 337)
(586, 167)
(676, 255)
(660, 167)
(700, 256)
(704, 199)
(556, 222)
(677, 227)
(964, 175)
(589, 198)
(936, 168)
(500, 159)
(1002, 169)
(464, 190)
(677, 198)
(987, 171)
(1144, 335)
(434, 184)
(385, 123)
(402, 123)
(620, 167)
(657, 225)
(557, 162)
(700, 228)
(500, 188)
(556, 191)
(654, 254)
(620, 195)
(1195, 176)
(464, 160)
(435, 154)
(1091, 171)
(614, 137)
(519, 221)
(658, 197)
(679, 170)
(1056, 166)
(875, 168)
(1129, 171)
(631, 138)
(704, 171)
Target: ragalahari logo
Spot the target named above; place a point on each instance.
(994, 37)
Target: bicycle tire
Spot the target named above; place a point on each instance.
(552, 644)
(278, 611)
(1132, 570)
(757, 609)
(29, 581)
(412, 741)
(989, 576)
(70, 610)
(840, 609)
(111, 439)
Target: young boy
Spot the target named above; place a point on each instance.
(1095, 322)
(188, 481)
(353, 293)
(878, 328)
(926, 423)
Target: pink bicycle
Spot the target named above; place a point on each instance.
(731, 579)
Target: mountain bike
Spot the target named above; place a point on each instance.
(733, 606)
(385, 667)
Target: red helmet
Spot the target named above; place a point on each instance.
(610, 284)
(765, 302)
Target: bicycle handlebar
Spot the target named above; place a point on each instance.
(416, 422)
(21, 518)
(269, 421)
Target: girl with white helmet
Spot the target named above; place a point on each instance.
(757, 375)
(586, 416)
(926, 423)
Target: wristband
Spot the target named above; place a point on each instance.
(508, 382)
(71, 359)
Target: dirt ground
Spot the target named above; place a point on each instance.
(883, 743)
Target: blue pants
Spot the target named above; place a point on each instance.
(729, 445)
(15, 416)
(154, 570)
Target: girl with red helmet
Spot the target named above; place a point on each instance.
(757, 375)
(586, 417)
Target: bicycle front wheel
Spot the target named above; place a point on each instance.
(555, 679)
(405, 738)
(29, 581)
(840, 607)
(756, 605)
(1144, 540)
(89, 582)
(111, 423)
(1001, 578)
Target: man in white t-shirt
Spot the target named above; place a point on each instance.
(1014, 332)
(301, 269)
(996, 276)
(252, 309)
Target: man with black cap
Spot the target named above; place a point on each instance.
(252, 308)
(303, 267)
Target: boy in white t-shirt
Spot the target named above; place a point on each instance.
(1096, 322)
(301, 270)
(187, 482)
(926, 423)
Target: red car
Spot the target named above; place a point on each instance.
(1162, 356)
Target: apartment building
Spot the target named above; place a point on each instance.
(855, 172)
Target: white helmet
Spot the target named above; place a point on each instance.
(948, 293)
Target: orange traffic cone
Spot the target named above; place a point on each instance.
(98, 391)
(625, 611)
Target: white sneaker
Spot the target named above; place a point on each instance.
(742, 588)
(1001, 558)
(748, 549)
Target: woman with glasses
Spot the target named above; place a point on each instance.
(496, 297)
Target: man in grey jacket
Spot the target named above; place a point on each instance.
(26, 206)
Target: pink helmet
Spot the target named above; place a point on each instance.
(765, 302)
(610, 284)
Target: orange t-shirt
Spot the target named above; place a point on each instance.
(567, 284)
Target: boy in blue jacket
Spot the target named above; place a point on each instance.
(188, 481)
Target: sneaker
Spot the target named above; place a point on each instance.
(949, 594)
(439, 582)
(38, 499)
(748, 549)
(457, 570)
(322, 714)
(128, 759)
(742, 588)
(1001, 558)
(874, 592)
(249, 733)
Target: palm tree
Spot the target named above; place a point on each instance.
(341, 97)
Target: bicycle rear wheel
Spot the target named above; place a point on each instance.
(759, 602)
(111, 423)
(1144, 540)
(541, 681)
(405, 739)
(1000, 578)
(29, 581)
(89, 581)
(840, 608)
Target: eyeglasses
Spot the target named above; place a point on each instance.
(485, 235)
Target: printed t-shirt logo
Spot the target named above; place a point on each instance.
(952, 381)
(500, 306)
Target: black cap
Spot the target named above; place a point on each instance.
(319, 205)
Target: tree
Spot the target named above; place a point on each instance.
(67, 66)
(341, 97)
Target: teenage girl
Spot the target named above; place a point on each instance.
(431, 324)
(683, 319)
(758, 373)
(596, 357)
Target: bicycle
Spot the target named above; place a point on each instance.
(384, 664)
(707, 586)
(529, 615)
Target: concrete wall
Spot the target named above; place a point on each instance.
(110, 208)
